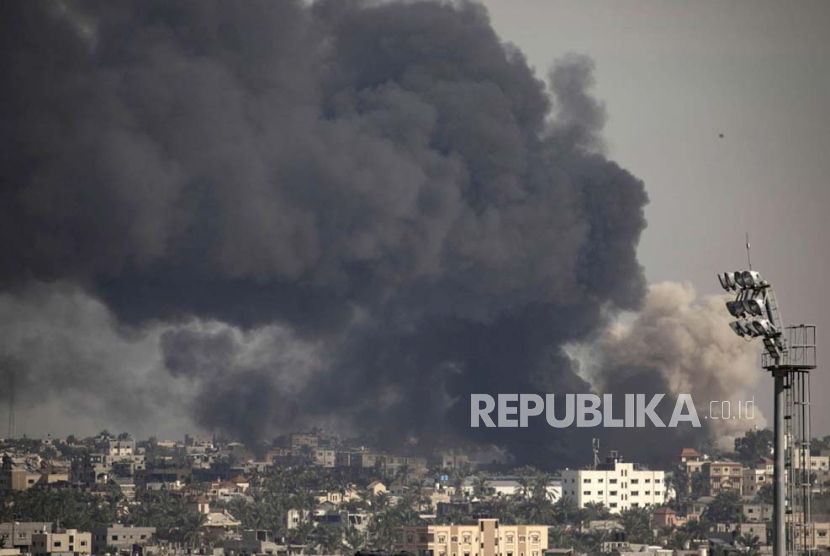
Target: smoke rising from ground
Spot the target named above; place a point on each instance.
(349, 213)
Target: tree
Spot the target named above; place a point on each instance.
(480, 487)
(353, 540)
(753, 446)
(766, 494)
(637, 524)
(725, 508)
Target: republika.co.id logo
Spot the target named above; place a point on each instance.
(589, 410)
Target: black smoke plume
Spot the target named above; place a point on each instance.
(387, 190)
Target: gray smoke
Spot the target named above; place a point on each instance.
(351, 213)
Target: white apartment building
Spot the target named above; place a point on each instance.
(617, 485)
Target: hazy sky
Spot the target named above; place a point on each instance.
(719, 107)
(675, 75)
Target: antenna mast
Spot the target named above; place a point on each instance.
(11, 406)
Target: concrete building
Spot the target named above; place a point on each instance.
(723, 476)
(121, 447)
(325, 457)
(121, 537)
(756, 513)
(19, 534)
(487, 538)
(17, 474)
(615, 484)
(69, 542)
(509, 486)
(691, 460)
(255, 542)
(756, 477)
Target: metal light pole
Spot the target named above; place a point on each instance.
(779, 493)
(789, 359)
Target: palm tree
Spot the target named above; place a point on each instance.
(190, 529)
(480, 487)
(353, 540)
(749, 540)
(637, 524)
(301, 534)
(540, 487)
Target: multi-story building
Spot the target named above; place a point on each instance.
(19, 534)
(615, 484)
(756, 477)
(17, 474)
(723, 476)
(325, 457)
(69, 542)
(487, 538)
(124, 447)
(755, 513)
(297, 440)
(119, 536)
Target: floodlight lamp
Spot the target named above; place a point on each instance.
(724, 283)
(737, 329)
(754, 307)
(747, 328)
(764, 327)
(739, 278)
(730, 280)
(751, 278)
(736, 308)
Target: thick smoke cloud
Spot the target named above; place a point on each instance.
(677, 343)
(349, 213)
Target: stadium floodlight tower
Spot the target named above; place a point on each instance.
(789, 354)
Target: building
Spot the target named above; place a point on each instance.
(723, 476)
(615, 484)
(19, 535)
(509, 486)
(691, 460)
(17, 474)
(255, 542)
(756, 513)
(756, 477)
(487, 538)
(121, 537)
(664, 516)
(324, 457)
(298, 440)
(69, 542)
(117, 448)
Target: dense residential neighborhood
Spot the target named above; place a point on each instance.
(316, 493)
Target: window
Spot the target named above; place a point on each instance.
(57, 543)
(587, 481)
(648, 492)
(613, 481)
(635, 481)
(442, 538)
(612, 493)
(613, 504)
(635, 505)
(648, 480)
(635, 493)
(534, 538)
(510, 540)
(586, 493)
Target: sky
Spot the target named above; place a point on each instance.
(676, 75)
(459, 234)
